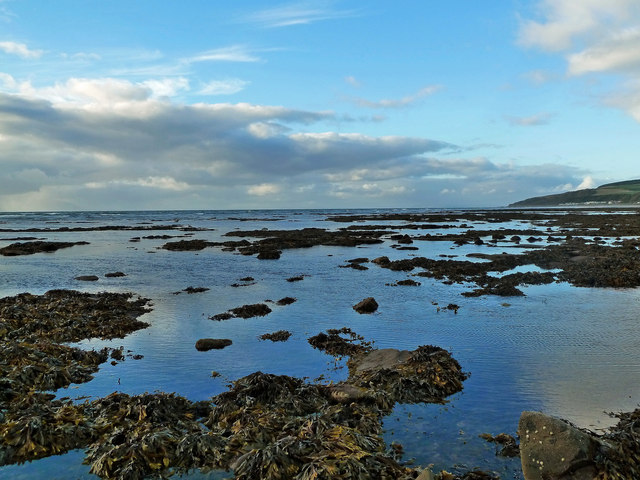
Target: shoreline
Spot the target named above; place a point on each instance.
(590, 255)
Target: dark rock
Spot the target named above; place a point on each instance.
(205, 344)
(247, 279)
(381, 260)
(295, 279)
(87, 278)
(553, 448)
(115, 274)
(279, 336)
(187, 245)
(269, 255)
(286, 301)
(29, 248)
(508, 445)
(409, 282)
(368, 305)
(195, 289)
(245, 311)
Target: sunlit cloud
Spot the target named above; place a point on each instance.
(20, 49)
(223, 87)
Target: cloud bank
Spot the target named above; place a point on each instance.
(114, 144)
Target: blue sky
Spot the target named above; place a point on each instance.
(314, 104)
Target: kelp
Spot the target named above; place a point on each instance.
(621, 460)
(340, 342)
(70, 316)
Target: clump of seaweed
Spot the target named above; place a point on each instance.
(340, 342)
(622, 459)
(279, 336)
(70, 316)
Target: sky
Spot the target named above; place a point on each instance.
(158, 104)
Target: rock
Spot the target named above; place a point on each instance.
(279, 336)
(205, 344)
(115, 274)
(553, 448)
(384, 358)
(286, 301)
(87, 278)
(29, 248)
(345, 393)
(381, 261)
(368, 305)
(269, 255)
(426, 475)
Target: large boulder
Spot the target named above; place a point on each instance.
(551, 448)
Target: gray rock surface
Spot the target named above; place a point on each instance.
(551, 448)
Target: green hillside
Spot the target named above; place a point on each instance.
(624, 193)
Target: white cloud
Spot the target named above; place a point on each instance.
(596, 37)
(620, 52)
(298, 13)
(587, 182)
(539, 77)
(20, 49)
(166, 87)
(564, 20)
(532, 120)
(263, 189)
(223, 87)
(163, 183)
(234, 53)
(400, 102)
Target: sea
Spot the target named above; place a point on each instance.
(567, 351)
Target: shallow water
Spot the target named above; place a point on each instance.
(570, 352)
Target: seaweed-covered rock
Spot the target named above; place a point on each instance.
(29, 248)
(279, 336)
(427, 374)
(245, 311)
(340, 342)
(71, 316)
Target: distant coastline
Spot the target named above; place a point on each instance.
(619, 193)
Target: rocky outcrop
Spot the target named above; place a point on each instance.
(29, 248)
(368, 305)
(554, 448)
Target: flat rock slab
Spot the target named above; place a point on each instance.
(553, 448)
(380, 359)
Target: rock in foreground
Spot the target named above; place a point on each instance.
(553, 448)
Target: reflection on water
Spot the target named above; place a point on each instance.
(567, 351)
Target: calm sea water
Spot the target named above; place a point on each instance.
(570, 352)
